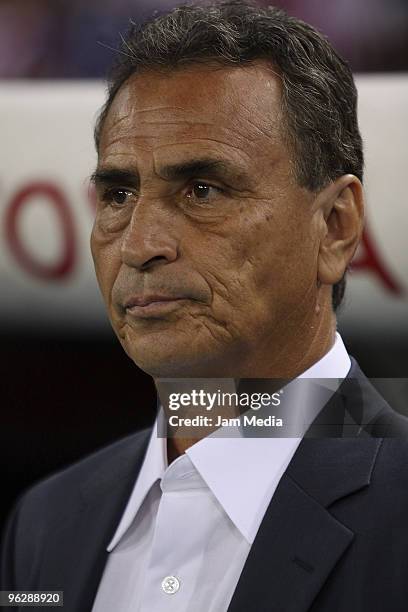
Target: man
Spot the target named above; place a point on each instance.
(230, 205)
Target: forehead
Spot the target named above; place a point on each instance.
(232, 109)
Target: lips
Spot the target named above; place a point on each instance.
(150, 299)
(153, 306)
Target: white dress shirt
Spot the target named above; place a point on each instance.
(188, 527)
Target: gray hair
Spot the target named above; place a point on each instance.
(319, 97)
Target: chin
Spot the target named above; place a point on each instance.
(167, 360)
(164, 351)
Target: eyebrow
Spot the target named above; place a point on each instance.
(115, 176)
(206, 167)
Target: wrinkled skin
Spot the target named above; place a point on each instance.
(252, 254)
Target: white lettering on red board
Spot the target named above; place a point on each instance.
(56, 199)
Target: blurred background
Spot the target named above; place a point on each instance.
(67, 388)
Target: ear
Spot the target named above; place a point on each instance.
(341, 206)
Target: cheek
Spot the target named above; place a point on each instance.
(230, 261)
(106, 256)
(219, 260)
(291, 262)
(279, 262)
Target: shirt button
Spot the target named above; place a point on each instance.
(170, 585)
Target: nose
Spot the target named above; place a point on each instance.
(147, 241)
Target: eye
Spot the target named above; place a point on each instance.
(117, 196)
(202, 191)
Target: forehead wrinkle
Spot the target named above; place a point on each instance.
(224, 144)
(183, 112)
(219, 128)
(189, 124)
(231, 131)
(112, 123)
(159, 109)
(204, 151)
(192, 118)
(130, 140)
(271, 133)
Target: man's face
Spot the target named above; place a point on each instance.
(205, 247)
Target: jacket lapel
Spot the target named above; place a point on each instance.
(299, 541)
(80, 540)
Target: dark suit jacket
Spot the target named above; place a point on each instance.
(334, 537)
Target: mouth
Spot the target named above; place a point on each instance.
(153, 306)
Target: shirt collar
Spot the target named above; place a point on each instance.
(242, 473)
(153, 468)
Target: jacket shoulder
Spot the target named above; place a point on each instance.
(64, 492)
(43, 510)
(108, 461)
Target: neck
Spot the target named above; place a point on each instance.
(288, 360)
